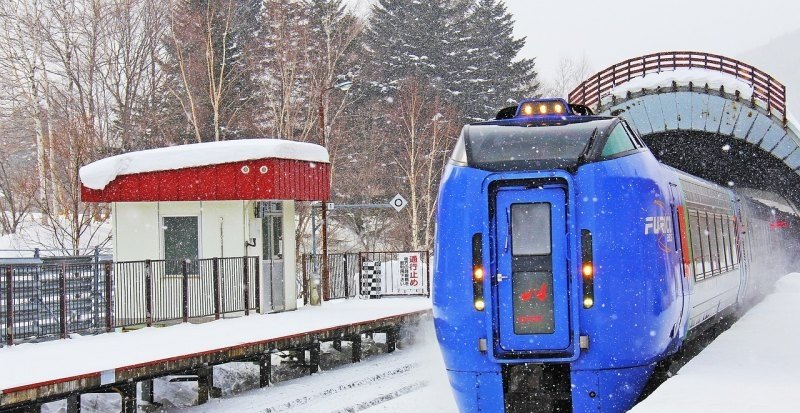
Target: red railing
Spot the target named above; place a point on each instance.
(765, 87)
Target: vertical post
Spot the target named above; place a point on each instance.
(128, 393)
(346, 277)
(305, 278)
(428, 273)
(62, 300)
(148, 393)
(356, 356)
(148, 291)
(215, 282)
(257, 277)
(96, 289)
(325, 274)
(74, 403)
(246, 285)
(185, 289)
(264, 369)
(313, 358)
(109, 300)
(205, 380)
(391, 340)
(9, 305)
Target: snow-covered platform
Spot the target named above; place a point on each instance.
(752, 367)
(36, 372)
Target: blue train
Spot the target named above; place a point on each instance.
(569, 261)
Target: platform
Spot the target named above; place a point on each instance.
(38, 372)
(752, 367)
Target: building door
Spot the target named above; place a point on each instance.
(272, 254)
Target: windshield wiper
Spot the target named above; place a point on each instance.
(585, 153)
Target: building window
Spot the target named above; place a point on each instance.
(181, 238)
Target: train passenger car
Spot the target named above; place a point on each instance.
(569, 261)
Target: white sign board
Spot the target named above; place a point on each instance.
(398, 202)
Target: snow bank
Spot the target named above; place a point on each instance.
(682, 77)
(39, 362)
(98, 174)
(753, 367)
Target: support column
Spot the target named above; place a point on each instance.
(356, 348)
(74, 403)
(148, 395)
(314, 358)
(205, 381)
(128, 394)
(264, 369)
(391, 340)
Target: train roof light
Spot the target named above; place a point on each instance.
(544, 107)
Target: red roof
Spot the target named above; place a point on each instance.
(259, 179)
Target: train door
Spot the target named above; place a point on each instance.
(531, 281)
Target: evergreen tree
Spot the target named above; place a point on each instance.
(496, 77)
(465, 49)
(416, 39)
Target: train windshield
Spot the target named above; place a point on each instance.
(515, 147)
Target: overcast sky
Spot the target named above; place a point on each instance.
(610, 31)
(613, 30)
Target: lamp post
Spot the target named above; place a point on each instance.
(315, 296)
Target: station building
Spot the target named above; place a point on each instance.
(209, 202)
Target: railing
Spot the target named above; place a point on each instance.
(343, 274)
(765, 87)
(160, 291)
(53, 300)
(39, 301)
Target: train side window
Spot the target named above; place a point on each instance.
(618, 142)
(724, 249)
(694, 244)
(704, 244)
(734, 243)
(697, 247)
(714, 245)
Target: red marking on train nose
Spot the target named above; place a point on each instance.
(541, 295)
(526, 296)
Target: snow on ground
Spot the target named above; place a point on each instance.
(98, 174)
(38, 362)
(412, 379)
(752, 367)
(682, 77)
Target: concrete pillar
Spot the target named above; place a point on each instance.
(74, 403)
(205, 382)
(264, 369)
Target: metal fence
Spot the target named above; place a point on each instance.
(46, 300)
(399, 273)
(765, 87)
(158, 291)
(343, 275)
(39, 301)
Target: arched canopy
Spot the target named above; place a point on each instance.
(710, 115)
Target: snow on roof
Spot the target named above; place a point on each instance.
(97, 175)
(682, 77)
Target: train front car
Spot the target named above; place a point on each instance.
(558, 279)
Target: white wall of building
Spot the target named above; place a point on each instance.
(225, 228)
